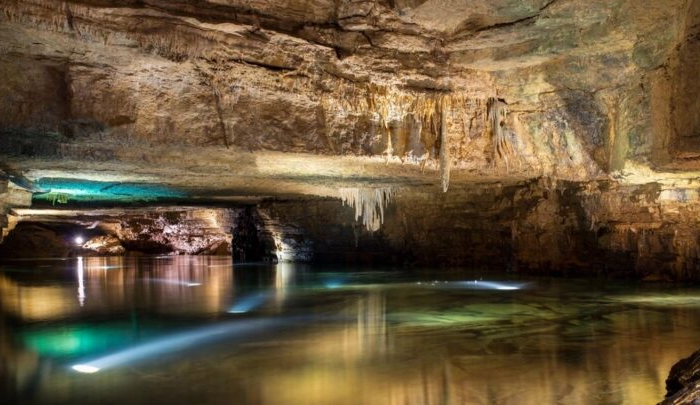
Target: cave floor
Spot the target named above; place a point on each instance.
(194, 329)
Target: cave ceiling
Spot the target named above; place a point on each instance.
(228, 99)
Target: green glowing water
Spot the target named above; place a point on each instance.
(349, 336)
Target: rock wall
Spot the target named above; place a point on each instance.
(11, 196)
(543, 226)
(597, 228)
(163, 230)
(196, 231)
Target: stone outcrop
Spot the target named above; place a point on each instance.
(11, 196)
(196, 231)
(34, 241)
(683, 383)
(167, 230)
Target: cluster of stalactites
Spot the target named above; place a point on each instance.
(388, 104)
(369, 203)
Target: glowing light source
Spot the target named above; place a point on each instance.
(79, 240)
(84, 368)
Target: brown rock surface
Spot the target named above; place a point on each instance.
(563, 130)
(163, 230)
(683, 382)
(344, 79)
(31, 240)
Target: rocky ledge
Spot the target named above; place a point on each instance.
(683, 383)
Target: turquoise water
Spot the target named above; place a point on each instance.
(199, 330)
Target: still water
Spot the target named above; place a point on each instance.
(164, 330)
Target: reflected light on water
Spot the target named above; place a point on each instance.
(176, 342)
(490, 285)
(174, 282)
(81, 282)
(380, 338)
(248, 302)
(112, 283)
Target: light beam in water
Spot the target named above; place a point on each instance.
(333, 284)
(174, 282)
(178, 341)
(247, 303)
(491, 285)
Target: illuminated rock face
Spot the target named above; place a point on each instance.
(174, 230)
(195, 231)
(530, 134)
(587, 85)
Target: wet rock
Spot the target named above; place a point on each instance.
(683, 382)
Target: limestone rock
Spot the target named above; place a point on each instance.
(104, 245)
(33, 241)
(683, 383)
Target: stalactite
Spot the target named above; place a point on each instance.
(369, 204)
(444, 149)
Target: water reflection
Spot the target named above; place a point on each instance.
(196, 329)
(112, 284)
(81, 282)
